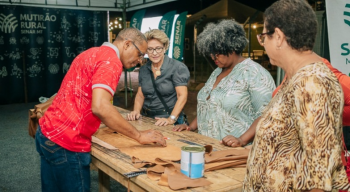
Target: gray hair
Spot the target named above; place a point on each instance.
(132, 34)
(225, 37)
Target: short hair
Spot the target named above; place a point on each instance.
(296, 19)
(225, 37)
(158, 35)
(132, 34)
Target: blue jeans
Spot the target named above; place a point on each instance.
(181, 120)
(62, 170)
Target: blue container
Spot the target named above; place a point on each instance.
(192, 161)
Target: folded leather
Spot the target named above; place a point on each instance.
(145, 153)
(162, 159)
(170, 175)
(224, 164)
(227, 155)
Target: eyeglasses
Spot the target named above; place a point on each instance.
(141, 55)
(157, 49)
(261, 37)
(214, 56)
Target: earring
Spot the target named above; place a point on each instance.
(278, 47)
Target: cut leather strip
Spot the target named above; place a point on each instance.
(163, 181)
(229, 158)
(225, 164)
(102, 143)
(147, 153)
(218, 155)
(137, 163)
(154, 173)
(208, 149)
(178, 181)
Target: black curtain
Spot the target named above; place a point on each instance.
(37, 46)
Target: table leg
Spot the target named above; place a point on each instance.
(103, 180)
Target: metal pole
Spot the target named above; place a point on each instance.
(25, 78)
(125, 72)
(108, 27)
(249, 38)
(194, 51)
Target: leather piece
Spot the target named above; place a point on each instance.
(146, 153)
(154, 173)
(226, 155)
(224, 164)
(173, 178)
(102, 143)
(208, 149)
(166, 171)
(139, 163)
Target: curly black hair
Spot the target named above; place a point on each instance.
(225, 37)
(296, 19)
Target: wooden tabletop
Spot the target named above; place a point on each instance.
(118, 163)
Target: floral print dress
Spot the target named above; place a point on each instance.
(236, 101)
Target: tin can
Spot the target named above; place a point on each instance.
(192, 161)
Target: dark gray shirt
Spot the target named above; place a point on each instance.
(173, 74)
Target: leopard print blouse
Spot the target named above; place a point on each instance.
(298, 142)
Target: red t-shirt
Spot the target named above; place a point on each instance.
(344, 81)
(69, 121)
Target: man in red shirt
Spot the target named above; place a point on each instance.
(63, 138)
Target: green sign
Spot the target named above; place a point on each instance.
(166, 24)
(179, 36)
(136, 19)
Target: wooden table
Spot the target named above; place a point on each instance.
(115, 164)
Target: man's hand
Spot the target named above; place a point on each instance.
(151, 136)
(232, 141)
(133, 115)
(163, 121)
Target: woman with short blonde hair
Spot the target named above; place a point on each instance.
(162, 91)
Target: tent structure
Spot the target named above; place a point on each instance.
(226, 9)
(115, 5)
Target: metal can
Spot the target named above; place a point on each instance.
(192, 161)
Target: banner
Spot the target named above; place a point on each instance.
(179, 36)
(338, 17)
(166, 24)
(136, 19)
(37, 46)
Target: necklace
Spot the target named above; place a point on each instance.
(157, 71)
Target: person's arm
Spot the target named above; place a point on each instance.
(244, 139)
(109, 115)
(192, 127)
(139, 99)
(346, 111)
(318, 133)
(181, 92)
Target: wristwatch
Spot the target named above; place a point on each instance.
(172, 117)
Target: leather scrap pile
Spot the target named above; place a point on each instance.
(163, 162)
